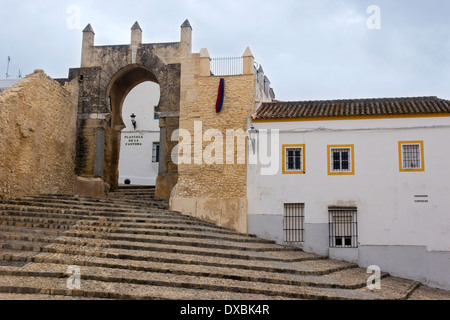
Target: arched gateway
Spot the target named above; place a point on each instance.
(106, 76)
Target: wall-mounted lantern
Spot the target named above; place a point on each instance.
(252, 134)
(133, 120)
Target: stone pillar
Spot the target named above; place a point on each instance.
(99, 153)
(168, 171)
(205, 63)
(136, 35)
(249, 62)
(88, 44)
(186, 37)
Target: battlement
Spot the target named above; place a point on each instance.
(91, 55)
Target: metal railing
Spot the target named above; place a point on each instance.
(231, 66)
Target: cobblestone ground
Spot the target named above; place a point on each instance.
(130, 246)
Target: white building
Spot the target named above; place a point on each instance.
(364, 181)
(7, 83)
(139, 150)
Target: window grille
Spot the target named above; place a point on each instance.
(294, 159)
(155, 153)
(341, 160)
(156, 115)
(294, 219)
(411, 156)
(343, 228)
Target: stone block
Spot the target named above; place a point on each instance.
(89, 187)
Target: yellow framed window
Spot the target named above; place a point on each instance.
(294, 159)
(411, 156)
(341, 160)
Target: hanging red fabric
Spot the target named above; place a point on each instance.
(220, 96)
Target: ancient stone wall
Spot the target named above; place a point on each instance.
(214, 192)
(37, 137)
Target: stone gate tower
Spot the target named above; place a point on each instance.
(215, 191)
(107, 74)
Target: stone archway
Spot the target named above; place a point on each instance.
(106, 76)
(119, 88)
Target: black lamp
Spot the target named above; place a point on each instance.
(252, 133)
(133, 120)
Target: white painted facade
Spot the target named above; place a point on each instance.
(137, 158)
(7, 83)
(395, 231)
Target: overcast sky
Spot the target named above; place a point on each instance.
(309, 49)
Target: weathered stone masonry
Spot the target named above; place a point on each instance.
(93, 95)
(37, 144)
(106, 76)
(217, 192)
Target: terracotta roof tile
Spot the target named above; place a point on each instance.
(352, 108)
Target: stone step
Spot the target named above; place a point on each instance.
(137, 261)
(128, 249)
(22, 224)
(77, 206)
(132, 193)
(336, 280)
(129, 234)
(245, 261)
(48, 244)
(24, 245)
(427, 293)
(149, 228)
(141, 243)
(106, 199)
(137, 187)
(86, 202)
(100, 211)
(85, 215)
(175, 281)
(84, 211)
(39, 297)
(118, 291)
(142, 202)
(141, 219)
(99, 226)
(31, 230)
(167, 247)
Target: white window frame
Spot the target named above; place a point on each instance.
(286, 149)
(351, 159)
(419, 157)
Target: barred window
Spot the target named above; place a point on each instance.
(340, 160)
(155, 153)
(343, 228)
(294, 159)
(411, 156)
(294, 219)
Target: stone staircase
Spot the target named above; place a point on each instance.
(130, 246)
